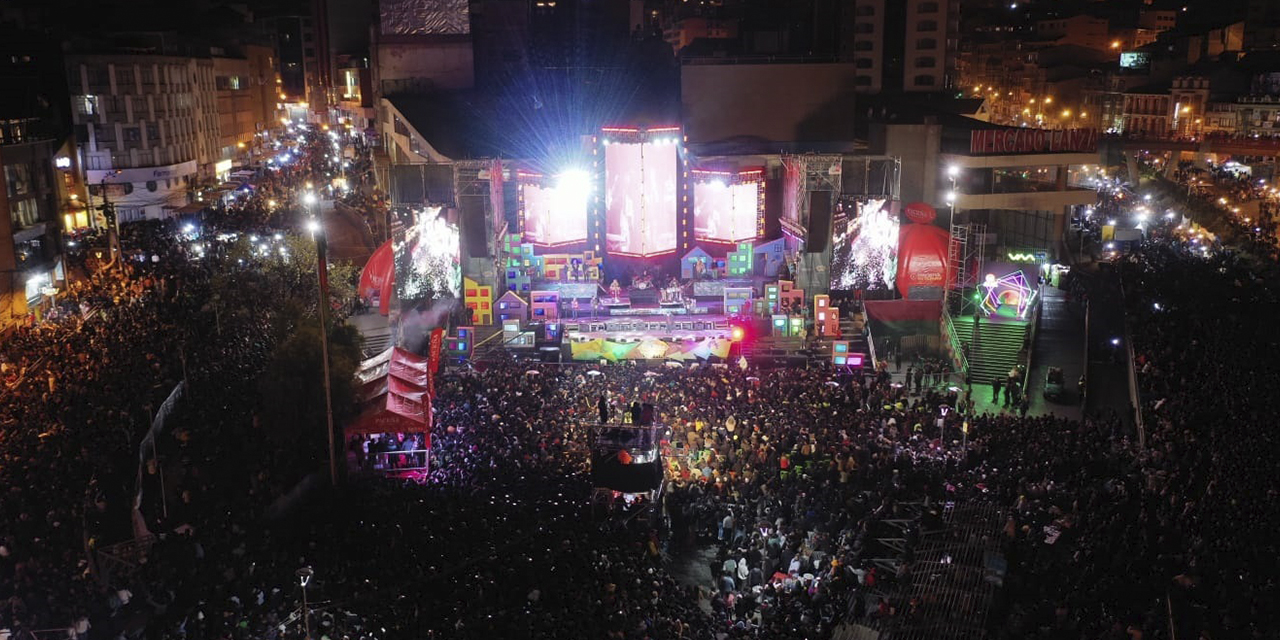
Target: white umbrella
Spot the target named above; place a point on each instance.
(533, 372)
(650, 374)
(593, 372)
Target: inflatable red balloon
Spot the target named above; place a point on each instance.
(922, 250)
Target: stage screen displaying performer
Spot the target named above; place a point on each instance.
(555, 215)
(725, 212)
(641, 196)
(427, 258)
(865, 247)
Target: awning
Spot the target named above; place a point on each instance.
(189, 208)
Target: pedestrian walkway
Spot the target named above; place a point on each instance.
(1059, 342)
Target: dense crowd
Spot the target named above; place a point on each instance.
(780, 483)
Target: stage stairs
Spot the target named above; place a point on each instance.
(488, 341)
(998, 348)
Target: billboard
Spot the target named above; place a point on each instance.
(725, 210)
(640, 199)
(865, 247)
(554, 215)
(427, 258)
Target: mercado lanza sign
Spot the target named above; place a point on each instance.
(1008, 141)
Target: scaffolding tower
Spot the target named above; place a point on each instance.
(964, 262)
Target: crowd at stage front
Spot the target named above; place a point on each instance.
(780, 484)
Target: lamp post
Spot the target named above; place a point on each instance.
(304, 576)
(322, 280)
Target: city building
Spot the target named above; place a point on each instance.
(1082, 30)
(422, 47)
(904, 45)
(147, 126)
(1020, 182)
(39, 191)
(683, 33)
(1146, 111)
(1262, 26)
(355, 94)
(300, 86)
(246, 99)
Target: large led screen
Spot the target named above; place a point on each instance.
(427, 258)
(865, 251)
(725, 212)
(556, 215)
(640, 197)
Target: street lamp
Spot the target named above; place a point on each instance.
(316, 229)
(304, 577)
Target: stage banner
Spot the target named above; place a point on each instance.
(588, 350)
(437, 343)
(615, 351)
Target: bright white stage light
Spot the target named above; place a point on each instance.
(573, 183)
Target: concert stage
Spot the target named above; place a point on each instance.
(649, 337)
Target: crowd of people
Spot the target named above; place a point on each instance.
(780, 483)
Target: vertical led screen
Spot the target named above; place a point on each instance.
(555, 215)
(865, 247)
(641, 196)
(427, 258)
(724, 212)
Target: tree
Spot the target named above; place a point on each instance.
(291, 394)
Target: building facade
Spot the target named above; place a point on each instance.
(904, 45)
(246, 95)
(147, 127)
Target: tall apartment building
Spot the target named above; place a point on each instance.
(39, 193)
(1262, 25)
(246, 94)
(903, 45)
(147, 126)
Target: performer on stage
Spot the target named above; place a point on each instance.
(615, 290)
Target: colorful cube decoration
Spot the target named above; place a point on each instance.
(511, 307)
(689, 264)
(737, 300)
(459, 347)
(783, 291)
(826, 318)
(840, 353)
(479, 299)
(740, 261)
(544, 305)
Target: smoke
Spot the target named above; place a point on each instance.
(417, 322)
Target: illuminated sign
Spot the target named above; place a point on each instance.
(1016, 141)
(1135, 60)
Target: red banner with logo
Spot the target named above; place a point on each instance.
(437, 344)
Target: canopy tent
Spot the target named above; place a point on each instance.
(377, 419)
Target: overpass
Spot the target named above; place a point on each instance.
(1239, 146)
